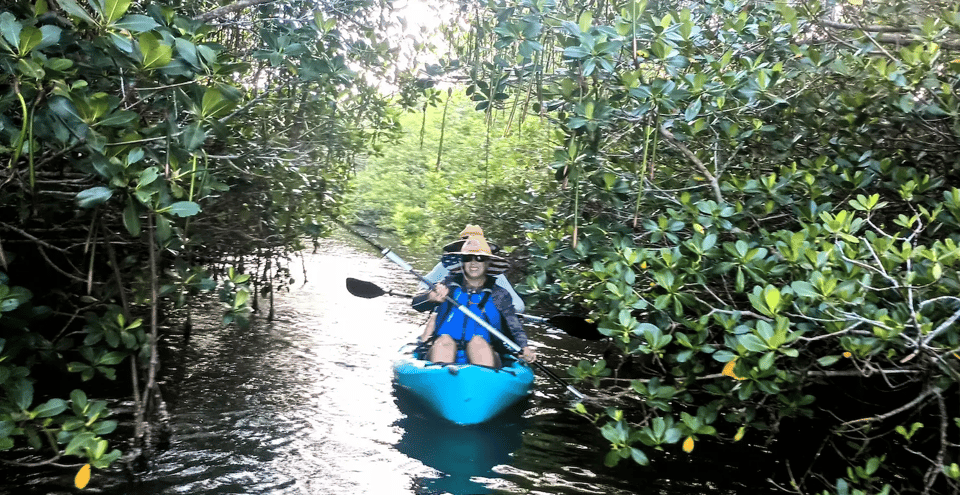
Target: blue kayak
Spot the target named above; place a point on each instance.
(464, 394)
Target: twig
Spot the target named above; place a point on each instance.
(230, 9)
(881, 417)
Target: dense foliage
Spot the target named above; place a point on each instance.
(764, 219)
(451, 168)
(151, 152)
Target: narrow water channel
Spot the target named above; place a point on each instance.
(305, 405)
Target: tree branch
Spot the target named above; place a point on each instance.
(696, 161)
(923, 396)
(230, 9)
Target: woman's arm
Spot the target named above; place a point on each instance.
(518, 304)
(429, 300)
(501, 298)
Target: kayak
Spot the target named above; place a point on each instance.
(464, 394)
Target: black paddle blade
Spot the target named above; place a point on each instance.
(366, 290)
(576, 326)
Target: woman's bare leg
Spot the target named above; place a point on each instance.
(479, 351)
(443, 350)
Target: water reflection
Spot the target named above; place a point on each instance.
(463, 456)
(305, 405)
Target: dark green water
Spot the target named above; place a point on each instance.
(305, 405)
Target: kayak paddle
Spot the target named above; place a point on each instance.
(514, 348)
(573, 325)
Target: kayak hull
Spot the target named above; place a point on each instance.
(464, 394)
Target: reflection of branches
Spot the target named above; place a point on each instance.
(934, 468)
(41, 244)
(915, 402)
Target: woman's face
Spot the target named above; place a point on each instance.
(475, 266)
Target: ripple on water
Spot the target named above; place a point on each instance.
(305, 405)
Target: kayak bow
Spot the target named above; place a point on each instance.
(464, 394)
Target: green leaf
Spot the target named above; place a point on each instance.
(21, 393)
(30, 69)
(639, 457)
(241, 299)
(771, 296)
(193, 137)
(71, 8)
(828, 360)
(51, 36)
(79, 399)
(105, 461)
(30, 38)
(137, 23)
(94, 196)
(752, 343)
(131, 218)
(147, 177)
(112, 358)
(79, 443)
(766, 362)
(804, 289)
(104, 427)
(50, 408)
(156, 54)
(164, 230)
(114, 9)
(10, 29)
(183, 209)
(119, 119)
(215, 104)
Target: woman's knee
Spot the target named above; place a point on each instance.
(443, 349)
(478, 341)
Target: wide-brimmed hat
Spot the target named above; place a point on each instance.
(478, 245)
(470, 230)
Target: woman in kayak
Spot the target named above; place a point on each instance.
(473, 286)
(450, 260)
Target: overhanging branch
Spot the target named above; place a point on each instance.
(687, 152)
(230, 9)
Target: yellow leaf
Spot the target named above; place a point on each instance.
(643, 266)
(83, 477)
(728, 370)
(847, 354)
(856, 2)
(739, 436)
(698, 227)
(688, 445)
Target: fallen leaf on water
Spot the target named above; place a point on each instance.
(83, 477)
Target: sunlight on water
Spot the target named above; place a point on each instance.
(305, 405)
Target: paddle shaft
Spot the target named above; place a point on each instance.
(369, 290)
(387, 253)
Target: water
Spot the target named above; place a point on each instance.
(305, 405)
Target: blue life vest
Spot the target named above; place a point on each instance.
(453, 322)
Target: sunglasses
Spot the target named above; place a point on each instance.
(475, 257)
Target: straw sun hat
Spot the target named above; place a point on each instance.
(452, 251)
(468, 231)
(450, 257)
(478, 245)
